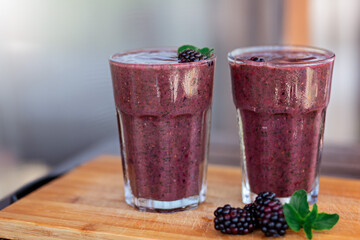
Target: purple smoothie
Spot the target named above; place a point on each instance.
(163, 109)
(281, 106)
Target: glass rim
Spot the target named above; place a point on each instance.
(175, 65)
(329, 55)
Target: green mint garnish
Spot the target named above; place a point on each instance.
(325, 221)
(293, 218)
(309, 220)
(298, 215)
(186, 47)
(204, 51)
(299, 202)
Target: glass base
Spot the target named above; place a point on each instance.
(150, 205)
(249, 197)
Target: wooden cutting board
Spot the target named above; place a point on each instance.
(88, 203)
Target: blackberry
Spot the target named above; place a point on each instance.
(233, 220)
(251, 209)
(257, 59)
(190, 55)
(269, 214)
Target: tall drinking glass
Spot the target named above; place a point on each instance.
(281, 94)
(163, 111)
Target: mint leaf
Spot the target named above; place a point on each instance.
(186, 47)
(309, 220)
(311, 216)
(308, 231)
(325, 221)
(299, 202)
(293, 218)
(206, 51)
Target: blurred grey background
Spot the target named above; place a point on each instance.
(56, 95)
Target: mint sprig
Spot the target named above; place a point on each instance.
(309, 220)
(325, 221)
(208, 52)
(297, 201)
(298, 215)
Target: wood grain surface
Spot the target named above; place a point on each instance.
(88, 203)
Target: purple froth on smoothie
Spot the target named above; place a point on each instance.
(281, 106)
(164, 110)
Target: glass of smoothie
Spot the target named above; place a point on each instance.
(281, 94)
(163, 111)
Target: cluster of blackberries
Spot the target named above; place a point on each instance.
(265, 213)
(190, 55)
(234, 220)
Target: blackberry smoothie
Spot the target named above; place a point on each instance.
(281, 94)
(163, 111)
